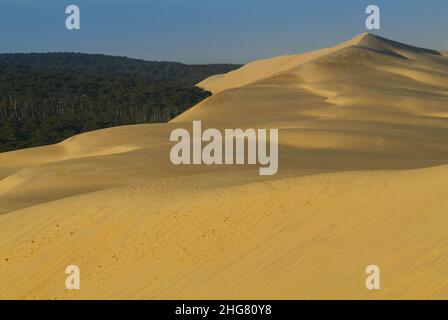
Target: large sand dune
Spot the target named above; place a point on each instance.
(363, 128)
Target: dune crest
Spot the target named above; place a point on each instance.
(263, 69)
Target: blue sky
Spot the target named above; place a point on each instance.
(208, 31)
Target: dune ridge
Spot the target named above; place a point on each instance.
(363, 172)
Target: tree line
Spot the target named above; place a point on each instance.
(46, 98)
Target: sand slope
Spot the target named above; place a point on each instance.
(363, 130)
(251, 241)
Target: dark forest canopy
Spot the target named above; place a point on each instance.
(48, 97)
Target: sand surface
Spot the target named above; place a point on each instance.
(363, 131)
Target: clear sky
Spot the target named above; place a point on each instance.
(208, 31)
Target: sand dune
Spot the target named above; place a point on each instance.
(363, 129)
(181, 239)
